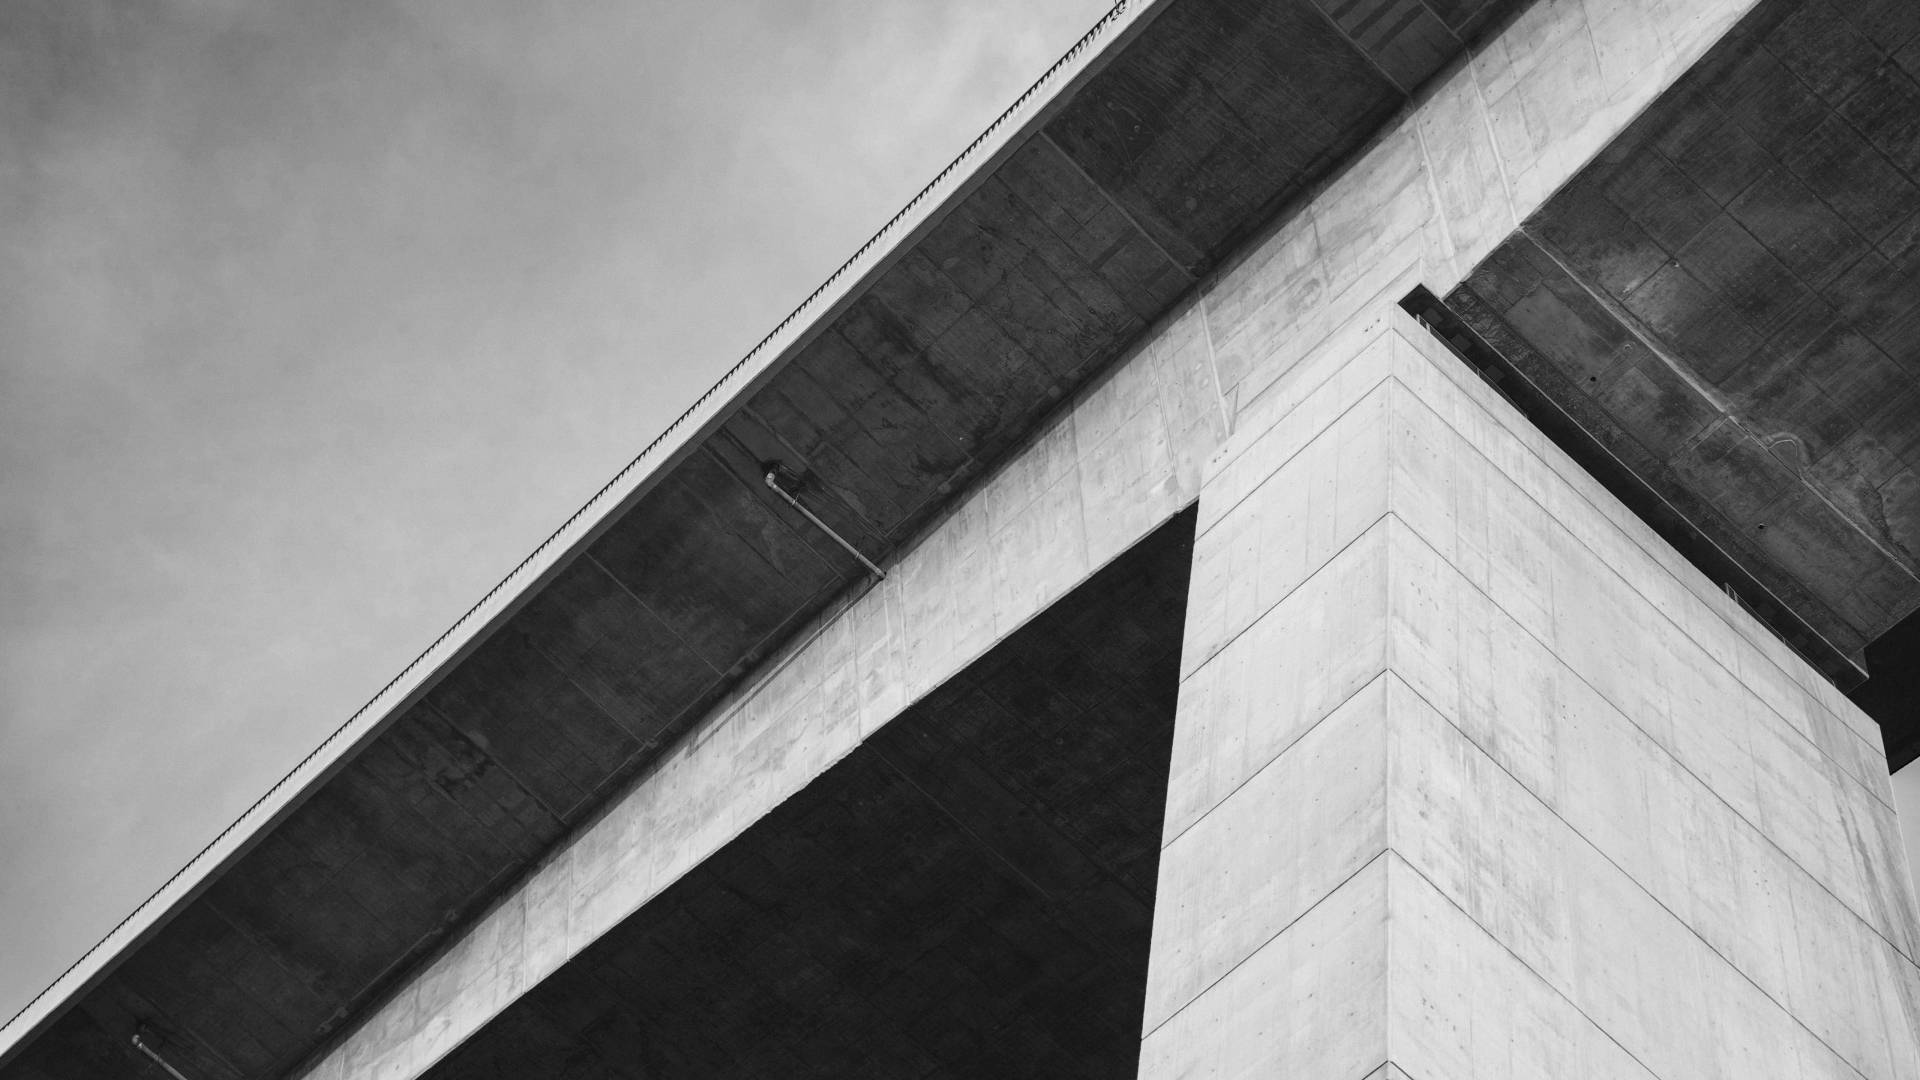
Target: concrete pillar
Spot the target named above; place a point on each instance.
(1473, 777)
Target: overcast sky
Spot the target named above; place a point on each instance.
(316, 316)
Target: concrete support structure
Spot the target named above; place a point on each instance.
(1473, 778)
(1472, 774)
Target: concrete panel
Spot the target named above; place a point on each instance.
(1748, 788)
(1312, 505)
(1310, 1002)
(1598, 937)
(1774, 772)
(1275, 681)
(1461, 1006)
(1318, 810)
(1686, 597)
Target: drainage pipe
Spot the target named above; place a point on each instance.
(141, 1045)
(773, 481)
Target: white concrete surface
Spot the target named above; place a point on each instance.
(1906, 801)
(1621, 830)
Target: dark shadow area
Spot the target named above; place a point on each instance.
(968, 894)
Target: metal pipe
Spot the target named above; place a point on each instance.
(773, 481)
(140, 1045)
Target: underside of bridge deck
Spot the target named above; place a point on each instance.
(1728, 300)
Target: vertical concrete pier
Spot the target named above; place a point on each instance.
(1473, 777)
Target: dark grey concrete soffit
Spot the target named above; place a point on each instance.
(1728, 298)
(1186, 133)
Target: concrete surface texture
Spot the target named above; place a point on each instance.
(1542, 808)
(1733, 292)
(1472, 774)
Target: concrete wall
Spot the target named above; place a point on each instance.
(1273, 393)
(1474, 776)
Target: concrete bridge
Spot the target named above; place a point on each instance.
(1380, 505)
